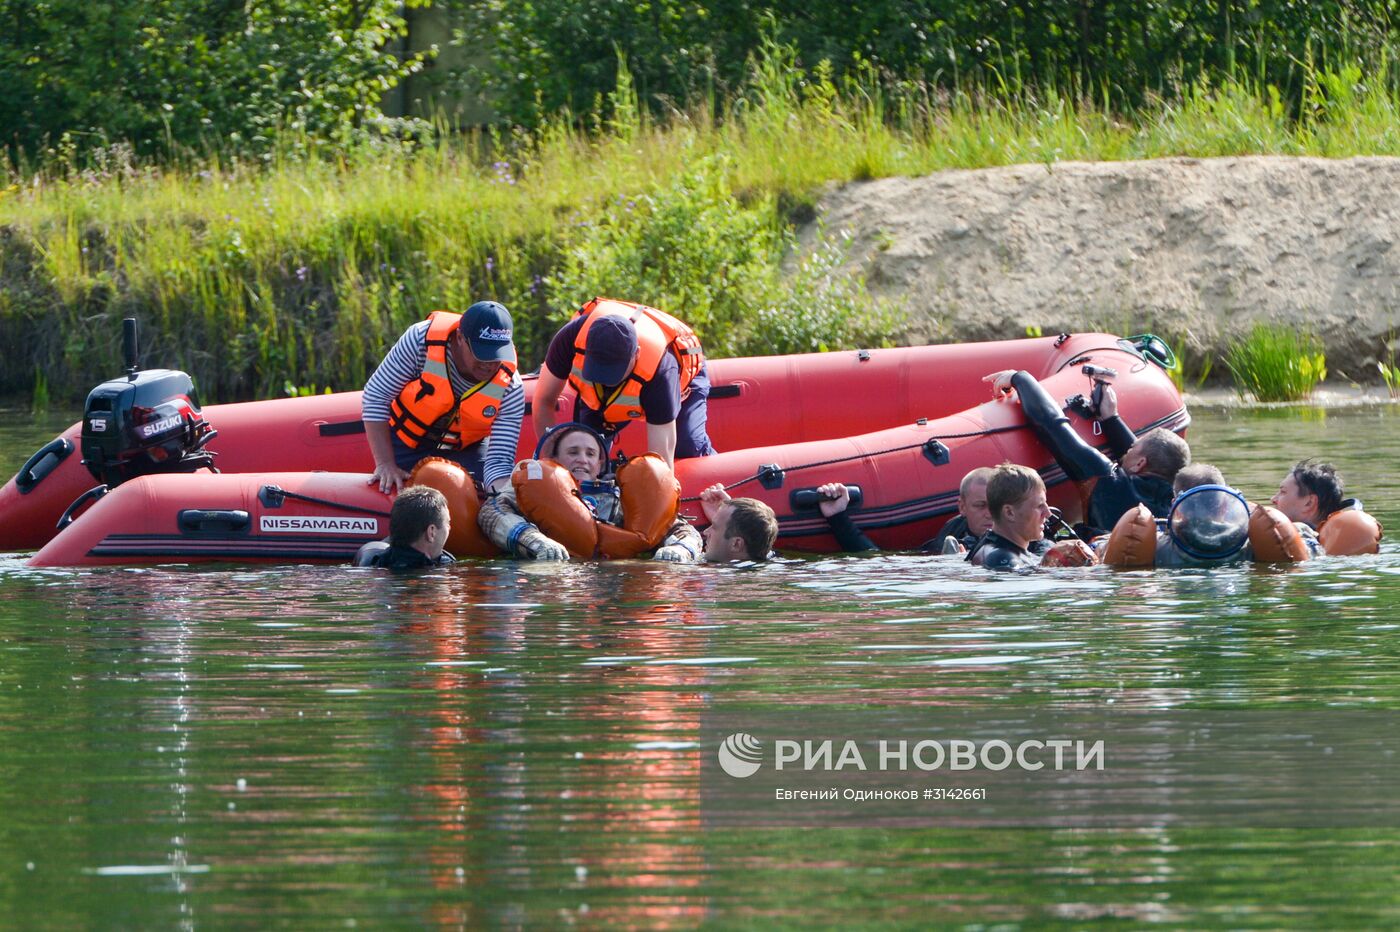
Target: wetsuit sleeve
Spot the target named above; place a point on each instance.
(661, 397)
(505, 434)
(402, 365)
(369, 554)
(850, 538)
(559, 358)
(1079, 460)
(1118, 434)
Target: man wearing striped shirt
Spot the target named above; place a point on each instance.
(448, 388)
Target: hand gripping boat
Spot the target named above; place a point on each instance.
(901, 425)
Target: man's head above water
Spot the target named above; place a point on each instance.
(1310, 492)
(740, 528)
(972, 501)
(1016, 498)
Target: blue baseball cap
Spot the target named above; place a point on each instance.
(609, 350)
(486, 325)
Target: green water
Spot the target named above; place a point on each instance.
(512, 745)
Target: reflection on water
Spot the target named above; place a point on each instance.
(507, 744)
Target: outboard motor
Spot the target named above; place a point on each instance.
(146, 422)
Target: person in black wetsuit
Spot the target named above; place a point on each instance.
(959, 535)
(1146, 465)
(833, 500)
(834, 497)
(973, 519)
(741, 529)
(1016, 496)
(419, 523)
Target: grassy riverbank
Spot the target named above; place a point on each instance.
(301, 270)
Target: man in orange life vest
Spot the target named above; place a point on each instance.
(628, 362)
(448, 388)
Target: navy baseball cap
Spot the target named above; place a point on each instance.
(486, 325)
(609, 350)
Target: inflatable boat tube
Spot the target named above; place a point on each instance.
(904, 425)
(294, 517)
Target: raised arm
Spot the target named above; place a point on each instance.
(1078, 459)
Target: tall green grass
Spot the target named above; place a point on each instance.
(1390, 375)
(303, 268)
(1276, 363)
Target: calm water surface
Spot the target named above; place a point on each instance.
(511, 745)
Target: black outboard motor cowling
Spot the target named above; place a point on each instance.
(147, 422)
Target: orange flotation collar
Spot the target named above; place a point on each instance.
(1273, 538)
(1350, 532)
(465, 539)
(548, 495)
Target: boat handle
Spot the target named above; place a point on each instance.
(91, 495)
(213, 521)
(807, 499)
(42, 463)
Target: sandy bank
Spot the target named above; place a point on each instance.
(1188, 248)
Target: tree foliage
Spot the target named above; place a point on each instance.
(212, 75)
(236, 75)
(544, 55)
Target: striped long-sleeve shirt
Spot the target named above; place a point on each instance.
(404, 363)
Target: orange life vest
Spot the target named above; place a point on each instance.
(657, 333)
(426, 413)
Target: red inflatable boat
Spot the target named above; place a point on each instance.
(904, 425)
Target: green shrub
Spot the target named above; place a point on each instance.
(86, 80)
(1277, 363)
(692, 248)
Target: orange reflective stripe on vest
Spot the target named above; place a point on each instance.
(426, 412)
(657, 333)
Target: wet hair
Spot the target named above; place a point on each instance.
(1197, 474)
(1322, 480)
(416, 507)
(756, 523)
(1009, 484)
(1165, 452)
(980, 474)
